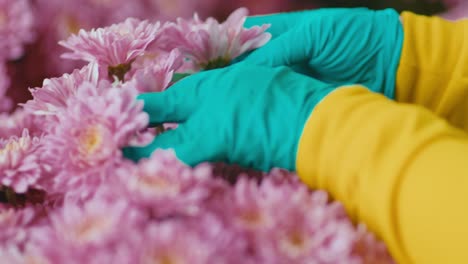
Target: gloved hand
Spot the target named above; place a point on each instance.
(335, 45)
(243, 114)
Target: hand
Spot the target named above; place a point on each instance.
(244, 114)
(335, 45)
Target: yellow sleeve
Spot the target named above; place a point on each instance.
(397, 168)
(433, 69)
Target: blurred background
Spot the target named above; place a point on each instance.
(54, 20)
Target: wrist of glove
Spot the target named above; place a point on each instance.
(244, 114)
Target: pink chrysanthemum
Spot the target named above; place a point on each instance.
(167, 187)
(87, 140)
(173, 242)
(55, 92)
(155, 75)
(211, 44)
(16, 27)
(5, 102)
(14, 225)
(13, 124)
(113, 47)
(97, 231)
(19, 162)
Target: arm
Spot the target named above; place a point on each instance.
(433, 70)
(397, 168)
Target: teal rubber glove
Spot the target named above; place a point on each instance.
(336, 46)
(248, 115)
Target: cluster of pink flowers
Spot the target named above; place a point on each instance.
(71, 197)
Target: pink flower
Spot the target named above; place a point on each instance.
(19, 162)
(97, 231)
(13, 124)
(16, 27)
(5, 102)
(175, 242)
(211, 44)
(165, 186)
(113, 47)
(85, 145)
(14, 225)
(52, 97)
(155, 75)
(369, 249)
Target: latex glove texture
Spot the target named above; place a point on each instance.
(243, 114)
(337, 46)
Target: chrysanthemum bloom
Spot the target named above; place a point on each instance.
(14, 226)
(5, 102)
(16, 27)
(155, 75)
(85, 145)
(211, 44)
(165, 186)
(13, 124)
(97, 231)
(369, 249)
(52, 97)
(307, 228)
(173, 242)
(19, 162)
(113, 47)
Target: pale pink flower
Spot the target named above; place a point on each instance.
(113, 47)
(19, 162)
(16, 27)
(5, 102)
(155, 75)
(85, 145)
(13, 124)
(52, 97)
(174, 242)
(97, 231)
(165, 186)
(211, 44)
(14, 225)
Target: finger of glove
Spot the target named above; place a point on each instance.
(174, 105)
(283, 22)
(291, 48)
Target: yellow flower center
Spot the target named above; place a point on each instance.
(157, 186)
(92, 228)
(91, 139)
(72, 25)
(253, 219)
(163, 259)
(13, 146)
(295, 244)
